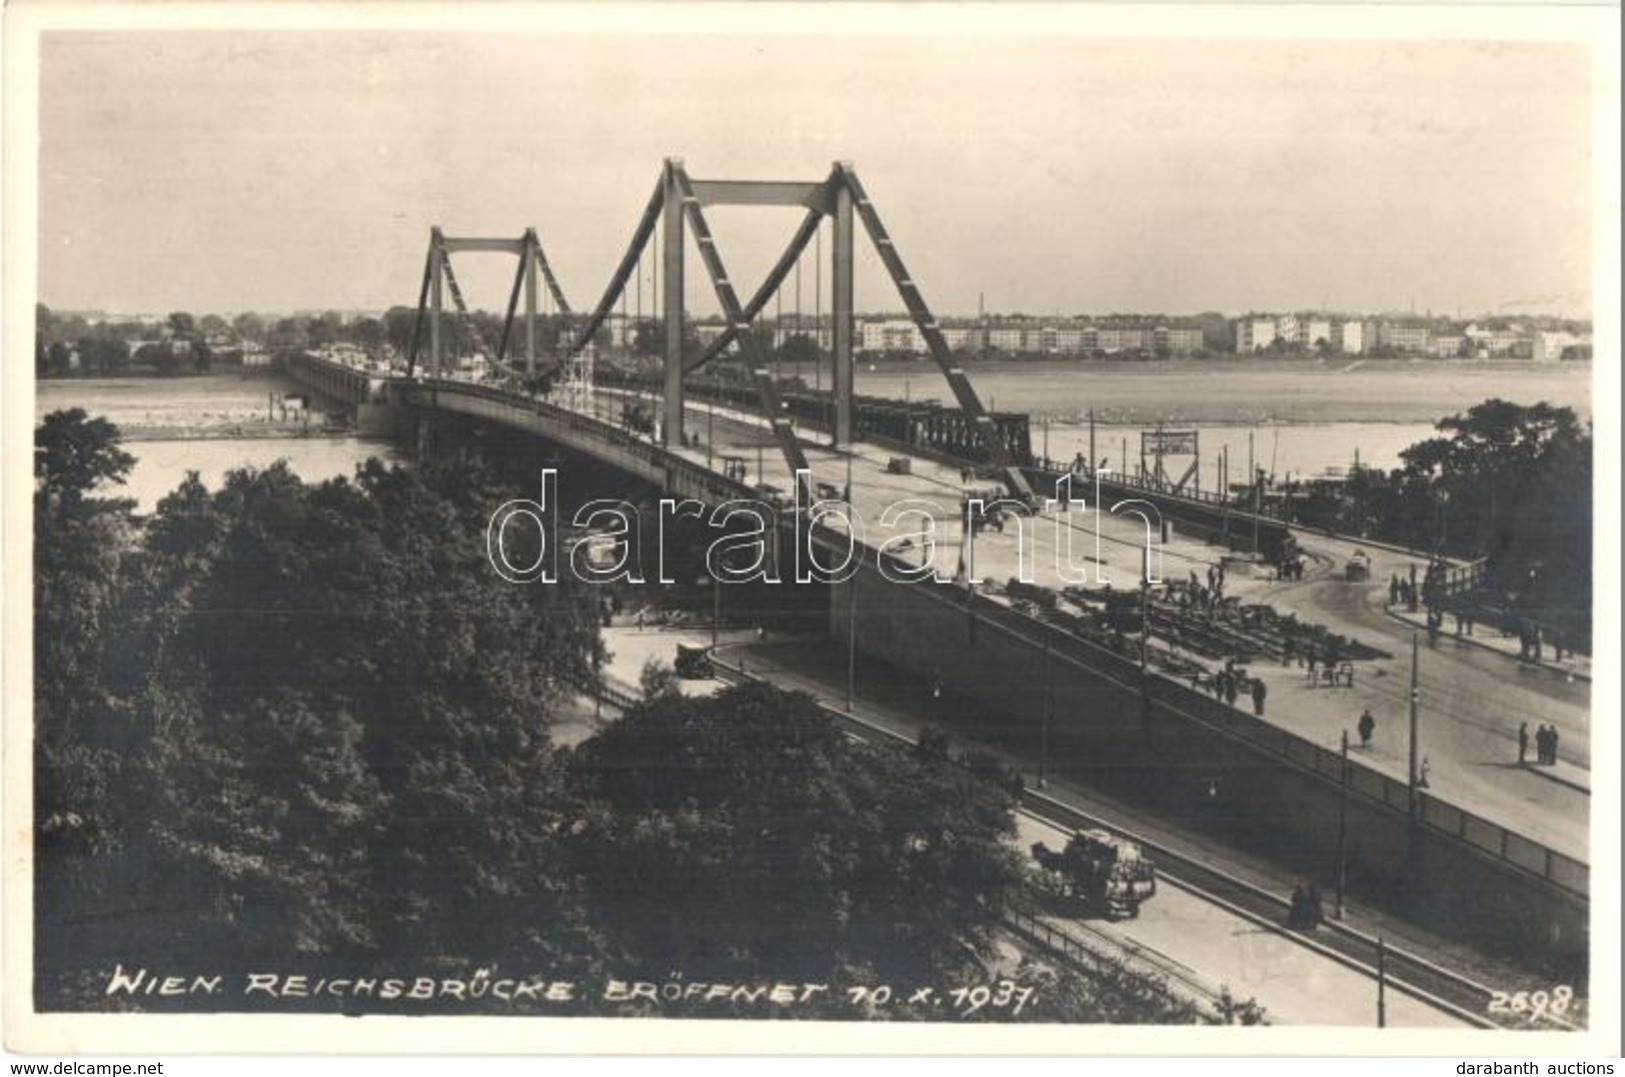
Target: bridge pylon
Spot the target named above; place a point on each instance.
(677, 207)
(440, 278)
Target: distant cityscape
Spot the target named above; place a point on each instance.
(73, 342)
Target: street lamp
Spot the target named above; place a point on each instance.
(1412, 838)
(1342, 824)
(1049, 703)
(851, 597)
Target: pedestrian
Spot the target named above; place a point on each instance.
(640, 620)
(1299, 913)
(1259, 691)
(1393, 589)
(1543, 745)
(1314, 908)
(1230, 689)
(1523, 742)
(1312, 656)
(1422, 773)
(1551, 747)
(1367, 726)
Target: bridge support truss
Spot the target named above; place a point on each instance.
(439, 277)
(677, 206)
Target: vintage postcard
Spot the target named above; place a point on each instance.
(811, 528)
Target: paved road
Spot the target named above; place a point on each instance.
(1212, 947)
(1471, 701)
(1294, 984)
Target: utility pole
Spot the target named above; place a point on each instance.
(1145, 613)
(1342, 824)
(851, 641)
(1049, 702)
(1413, 818)
(1094, 461)
(1382, 984)
(851, 598)
(1415, 692)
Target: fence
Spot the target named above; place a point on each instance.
(1565, 872)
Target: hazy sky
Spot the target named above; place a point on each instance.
(272, 171)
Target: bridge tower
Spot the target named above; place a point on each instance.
(677, 207)
(439, 278)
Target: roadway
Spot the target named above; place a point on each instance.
(1200, 945)
(1471, 700)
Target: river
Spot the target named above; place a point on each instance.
(1303, 416)
(228, 422)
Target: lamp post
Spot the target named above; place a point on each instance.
(1412, 838)
(716, 606)
(1049, 702)
(1382, 984)
(851, 599)
(1342, 824)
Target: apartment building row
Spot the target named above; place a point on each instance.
(1261, 332)
(1403, 336)
(896, 335)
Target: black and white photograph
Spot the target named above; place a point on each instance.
(1055, 529)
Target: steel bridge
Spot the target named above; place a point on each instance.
(676, 208)
(919, 629)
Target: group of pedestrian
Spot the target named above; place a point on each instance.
(1194, 596)
(1226, 683)
(1402, 590)
(1290, 568)
(1307, 911)
(1545, 744)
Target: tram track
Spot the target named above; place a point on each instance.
(1404, 971)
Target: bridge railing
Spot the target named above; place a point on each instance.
(1565, 872)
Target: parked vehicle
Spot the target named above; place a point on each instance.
(1109, 875)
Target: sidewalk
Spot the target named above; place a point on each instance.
(1576, 666)
(1470, 765)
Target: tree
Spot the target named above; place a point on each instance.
(289, 333)
(182, 325)
(80, 543)
(799, 348)
(368, 334)
(75, 454)
(249, 326)
(780, 848)
(58, 359)
(658, 679)
(400, 323)
(213, 325)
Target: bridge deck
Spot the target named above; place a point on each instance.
(1471, 702)
(1472, 699)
